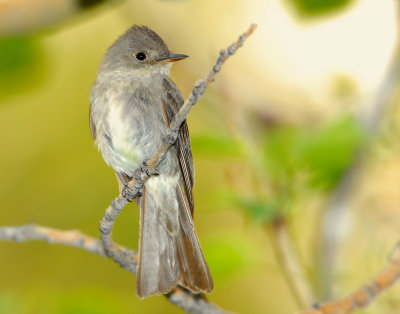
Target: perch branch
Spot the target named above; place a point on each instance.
(126, 259)
(367, 293)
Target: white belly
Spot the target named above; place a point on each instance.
(124, 138)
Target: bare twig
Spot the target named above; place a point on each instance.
(337, 214)
(53, 236)
(363, 296)
(125, 258)
(289, 262)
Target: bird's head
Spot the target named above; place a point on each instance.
(139, 49)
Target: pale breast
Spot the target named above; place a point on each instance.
(132, 126)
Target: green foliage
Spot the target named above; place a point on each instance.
(309, 8)
(217, 144)
(20, 61)
(260, 211)
(281, 153)
(292, 158)
(228, 253)
(329, 152)
(16, 54)
(322, 154)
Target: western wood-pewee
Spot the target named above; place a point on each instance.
(132, 103)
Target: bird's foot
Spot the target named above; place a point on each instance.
(129, 194)
(145, 168)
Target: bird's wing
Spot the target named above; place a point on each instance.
(172, 100)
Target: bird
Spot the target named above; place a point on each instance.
(132, 103)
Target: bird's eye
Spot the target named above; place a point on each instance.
(140, 56)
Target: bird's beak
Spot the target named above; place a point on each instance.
(172, 58)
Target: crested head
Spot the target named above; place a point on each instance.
(139, 48)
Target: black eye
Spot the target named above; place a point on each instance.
(140, 56)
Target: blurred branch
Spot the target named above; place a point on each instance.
(363, 296)
(336, 216)
(290, 264)
(25, 16)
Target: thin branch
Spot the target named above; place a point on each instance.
(291, 267)
(181, 297)
(363, 296)
(53, 236)
(125, 258)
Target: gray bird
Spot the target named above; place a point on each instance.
(132, 103)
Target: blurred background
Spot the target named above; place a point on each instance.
(295, 147)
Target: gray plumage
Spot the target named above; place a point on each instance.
(132, 102)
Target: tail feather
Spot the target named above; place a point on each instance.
(169, 250)
(194, 272)
(157, 271)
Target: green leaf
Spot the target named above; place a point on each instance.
(331, 150)
(21, 64)
(16, 54)
(261, 211)
(321, 154)
(310, 8)
(280, 149)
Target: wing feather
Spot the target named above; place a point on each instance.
(172, 101)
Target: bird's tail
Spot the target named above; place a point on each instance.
(169, 250)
